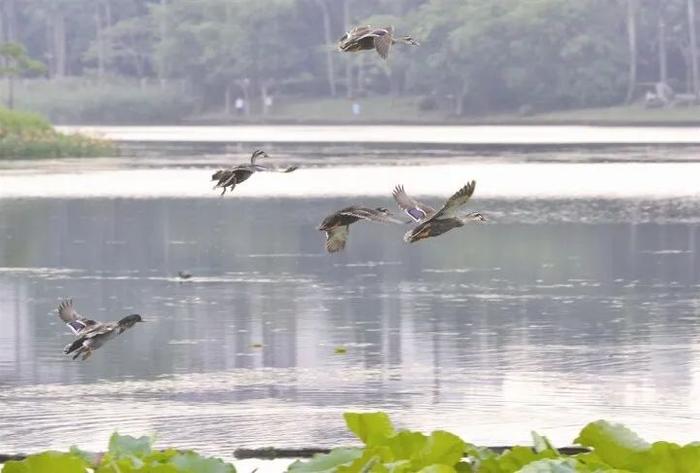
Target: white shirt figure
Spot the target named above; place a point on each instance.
(239, 105)
(355, 108)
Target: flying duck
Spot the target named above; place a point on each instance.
(337, 224)
(362, 38)
(91, 335)
(432, 223)
(228, 178)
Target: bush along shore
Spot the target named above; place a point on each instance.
(26, 135)
(604, 447)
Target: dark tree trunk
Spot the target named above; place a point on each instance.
(661, 32)
(10, 92)
(59, 45)
(328, 36)
(632, 45)
(693, 48)
(99, 37)
(9, 13)
(348, 64)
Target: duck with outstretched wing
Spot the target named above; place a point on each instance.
(431, 222)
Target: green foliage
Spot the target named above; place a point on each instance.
(126, 454)
(327, 462)
(476, 56)
(614, 449)
(16, 62)
(116, 101)
(48, 462)
(28, 135)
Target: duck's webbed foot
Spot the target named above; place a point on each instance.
(78, 352)
(87, 354)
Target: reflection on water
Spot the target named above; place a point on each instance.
(553, 314)
(454, 135)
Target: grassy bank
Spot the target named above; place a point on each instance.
(118, 101)
(410, 110)
(113, 101)
(26, 135)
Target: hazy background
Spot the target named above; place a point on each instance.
(165, 61)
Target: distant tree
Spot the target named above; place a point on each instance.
(16, 63)
(632, 6)
(328, 37)
(214, 43)
(693, 48)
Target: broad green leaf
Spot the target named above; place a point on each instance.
(126, 445)
(437, 469)
(194, 463)
(541, 443)
(441, 448)
(478, 453)
(372, 428)
(91, 458)
(464, 467)
(372, 460)
(406, 444)
(670, 458)
(558, 465)
(615, 444)
(127, 465)
(161, 456)
(326, 463)
(512, 460)
(48, 462)
(401, 466)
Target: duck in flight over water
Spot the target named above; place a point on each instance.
(91, 335)
(337, 225)
(363, 38)
(432, 223)
(229, 178)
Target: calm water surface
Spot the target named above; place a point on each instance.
(563, 308)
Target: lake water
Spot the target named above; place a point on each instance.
(579, 299)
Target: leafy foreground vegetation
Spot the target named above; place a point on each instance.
(612, 448)
(126, 454)
(26, 135)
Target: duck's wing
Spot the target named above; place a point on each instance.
(373, 215)
(418, 211)
(75, 322)
(457, 200)
(359, 31)
(260, 168)
(383, 39)
(336, 237)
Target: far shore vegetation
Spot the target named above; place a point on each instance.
(27, 135)
(479, 61)
(81, 101)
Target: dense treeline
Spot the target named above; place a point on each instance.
(477, 56)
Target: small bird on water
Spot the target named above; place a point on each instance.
(229, 178)
(184, 274)
(337, 224)
(363, 38)
(90, 334)
(432, 223)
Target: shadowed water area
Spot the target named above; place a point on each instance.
(559, 310)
